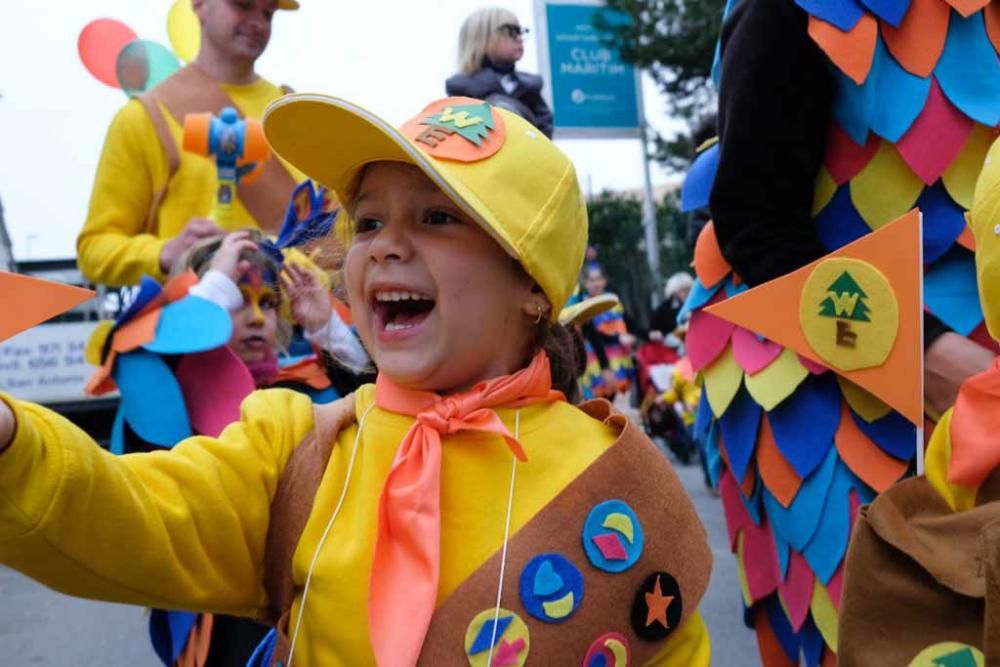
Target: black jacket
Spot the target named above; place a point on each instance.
(486, 83)
(775, 103)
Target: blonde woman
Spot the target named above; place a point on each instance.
(489, 45)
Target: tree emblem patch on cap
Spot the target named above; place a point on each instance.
(848, 313)
(458, 128)
(472, 122)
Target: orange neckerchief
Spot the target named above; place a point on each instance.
(975, 428)
(404, 581)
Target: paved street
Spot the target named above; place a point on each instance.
(38, 627)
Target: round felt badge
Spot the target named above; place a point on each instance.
(949, 654)
(609, 650)
(510, 641)
(612, 536)
(849, 314)
(656, 611)
(551, 588)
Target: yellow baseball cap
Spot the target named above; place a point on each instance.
(985, 221)
(498, 168)
(288, 4)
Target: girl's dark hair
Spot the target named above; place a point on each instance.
(558, 343)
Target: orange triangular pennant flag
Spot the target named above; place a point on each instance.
(857, 311)
(26, 301)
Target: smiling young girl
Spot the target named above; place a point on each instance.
(471, 515)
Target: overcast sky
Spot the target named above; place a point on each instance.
(391, 56)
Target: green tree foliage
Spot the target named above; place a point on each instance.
(674, 41)
(616, 231)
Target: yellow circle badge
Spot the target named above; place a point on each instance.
(949, 654)
(848, 313)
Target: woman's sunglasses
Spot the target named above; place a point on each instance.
(513, 30)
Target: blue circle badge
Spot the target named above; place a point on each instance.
(551, 588)
(612, 536)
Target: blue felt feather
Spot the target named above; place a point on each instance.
(828, 545)
(901, 96)
(844, 14)
(950, 291)
(740, 423)
(890, 11)
(893, 433)
(697, 297)
(697, 186)
(782, 629)
(799, 522)
(812, 643)
(969, 71)
(191, 324)
(151, 399)
(943, 221)
(839, 222)
(804, 423)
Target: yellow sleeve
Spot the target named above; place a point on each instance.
(113, 248)
(937, 459)
(688, 647)
(179, 529)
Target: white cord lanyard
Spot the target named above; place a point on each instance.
(340, 503)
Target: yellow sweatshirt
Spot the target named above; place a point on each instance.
(185, 529)
(114, 247)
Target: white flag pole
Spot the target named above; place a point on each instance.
(920, 427)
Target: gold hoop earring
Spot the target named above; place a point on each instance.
(538, 320)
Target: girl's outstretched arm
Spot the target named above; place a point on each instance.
(178, 529)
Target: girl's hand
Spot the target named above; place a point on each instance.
(309, 302)
(227, 257)
(627, 340)
(7, 426)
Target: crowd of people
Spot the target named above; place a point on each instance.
(438, 460)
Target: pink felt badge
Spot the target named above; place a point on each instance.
(752, 354)
(936, 138)
(214, 383)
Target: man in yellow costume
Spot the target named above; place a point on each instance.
(151, 198)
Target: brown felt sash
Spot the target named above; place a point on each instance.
(190, 90)
(631, 470)
(918, 574)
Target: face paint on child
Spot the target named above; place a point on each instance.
(255, 324)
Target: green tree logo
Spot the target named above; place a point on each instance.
(845, 300)
(472, 121)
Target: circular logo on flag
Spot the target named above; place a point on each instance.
(551, 588)
(612, 536)
(608, 650)
(849, 314)
(505, 633)
(949, 654)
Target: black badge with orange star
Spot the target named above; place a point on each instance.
(656, 611)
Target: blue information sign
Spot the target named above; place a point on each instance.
(592, 90)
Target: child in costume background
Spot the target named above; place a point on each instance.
(609, 356)
(471, 515)
(236, 275)
(834, 119)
